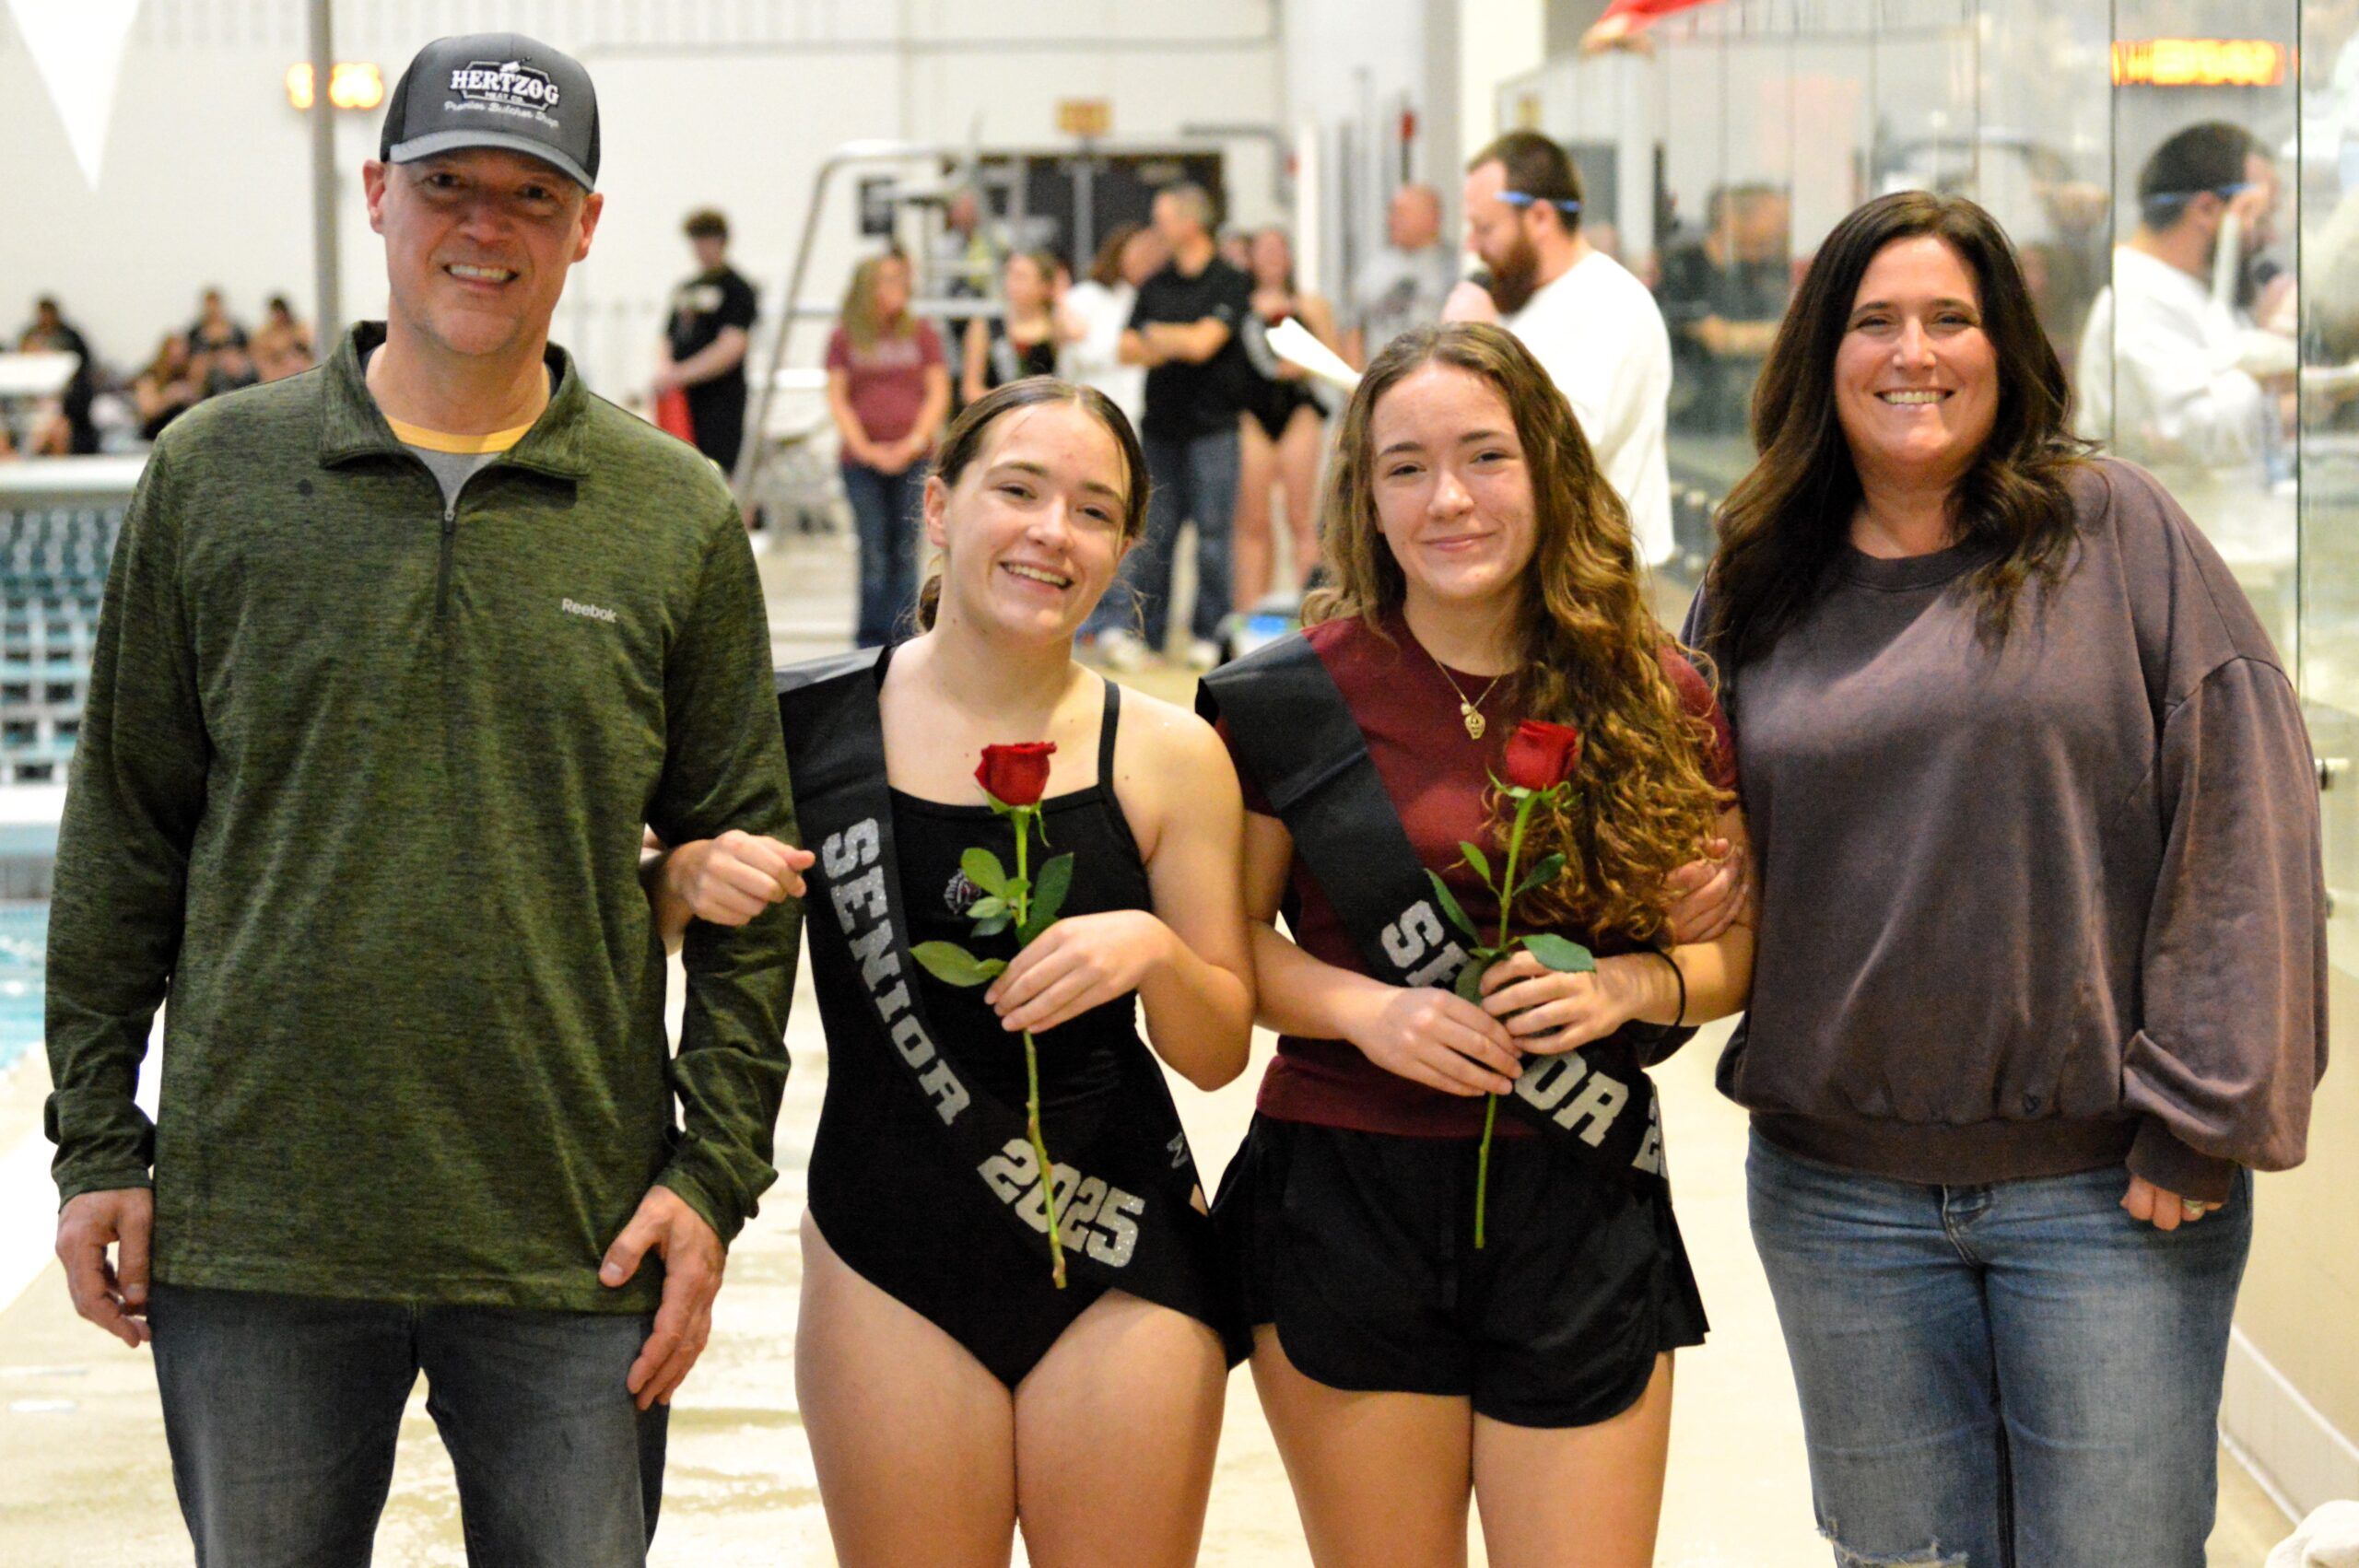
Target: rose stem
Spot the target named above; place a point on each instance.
(1491, 1103)
(1024, 815)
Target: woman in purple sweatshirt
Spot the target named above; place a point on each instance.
(2042, 953)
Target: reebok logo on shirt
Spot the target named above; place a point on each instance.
(590, 611)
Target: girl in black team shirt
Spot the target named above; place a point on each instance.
(951, 1392)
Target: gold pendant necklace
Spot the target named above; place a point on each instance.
(1467, 713)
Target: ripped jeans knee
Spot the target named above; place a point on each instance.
(1928, 1556)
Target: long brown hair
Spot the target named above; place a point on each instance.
(1107, 270)
(861, 322)
(1788, 519)
(1588, 652)
(963, 443)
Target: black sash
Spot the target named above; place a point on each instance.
(1296, 734)
(1128, 1205)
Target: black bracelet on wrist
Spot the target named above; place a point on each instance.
(1680, 977)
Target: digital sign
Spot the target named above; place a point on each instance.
(2199, 62)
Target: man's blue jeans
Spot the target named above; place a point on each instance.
(1188, 480)
(281, 1414)
(2017, 1375)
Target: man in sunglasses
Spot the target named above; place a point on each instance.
(1595, 328)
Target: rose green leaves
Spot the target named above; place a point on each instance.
(1540, 763)
(1013, 778)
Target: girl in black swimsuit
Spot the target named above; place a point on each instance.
(1279, 433)
(951, 1392)
(1024, 342)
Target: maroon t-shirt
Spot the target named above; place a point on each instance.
(887, 381)
(1435, 777)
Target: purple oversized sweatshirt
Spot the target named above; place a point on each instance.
(2036, 905)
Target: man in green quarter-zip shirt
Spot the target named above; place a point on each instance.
(397, 658)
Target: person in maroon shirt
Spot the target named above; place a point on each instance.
(888, 388)
(1483, 577)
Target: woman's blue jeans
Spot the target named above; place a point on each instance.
(2016, 1376)
(885, 516)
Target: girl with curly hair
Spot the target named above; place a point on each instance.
(1483, 577)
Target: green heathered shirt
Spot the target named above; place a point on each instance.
(361, 783)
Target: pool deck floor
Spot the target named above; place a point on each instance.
(84, 1478)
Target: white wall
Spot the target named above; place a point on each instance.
(1352, 67)
(728, 102)
(1498, 41)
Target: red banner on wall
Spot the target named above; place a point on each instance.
(1625, 18)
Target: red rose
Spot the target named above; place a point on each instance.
(1541, 757)
(1014, 775)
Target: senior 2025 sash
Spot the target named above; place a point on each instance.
(1295, 731)
(1127, 1205)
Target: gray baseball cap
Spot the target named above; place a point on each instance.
(495, 90)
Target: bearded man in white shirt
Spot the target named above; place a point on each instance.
(1592, 327)
(2174, 370)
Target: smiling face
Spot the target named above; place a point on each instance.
(1032, 529)
(477, 244)
(1453, 497)
(1916, 377)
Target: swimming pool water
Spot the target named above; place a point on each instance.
(24, 968)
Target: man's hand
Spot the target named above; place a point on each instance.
(693, 1260)
(1470, 301)
(112, 1295)
(1712, 894)
(731, 879)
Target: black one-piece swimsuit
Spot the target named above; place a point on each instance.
(886, 1190)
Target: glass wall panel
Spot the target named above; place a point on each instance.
(2189, 355)
(2044, 151)
(2330, 411)
(2181, 180)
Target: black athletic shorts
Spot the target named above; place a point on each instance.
(1359, 1248)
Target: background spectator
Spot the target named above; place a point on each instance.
(1279, 437)
(1403, 285)
(1096, 310)
(282, 344)
(888, 388)
(1722, 295)
(705, 343)
(63, 427)
(166, 387)
(1024, 341)
(1184, 330)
